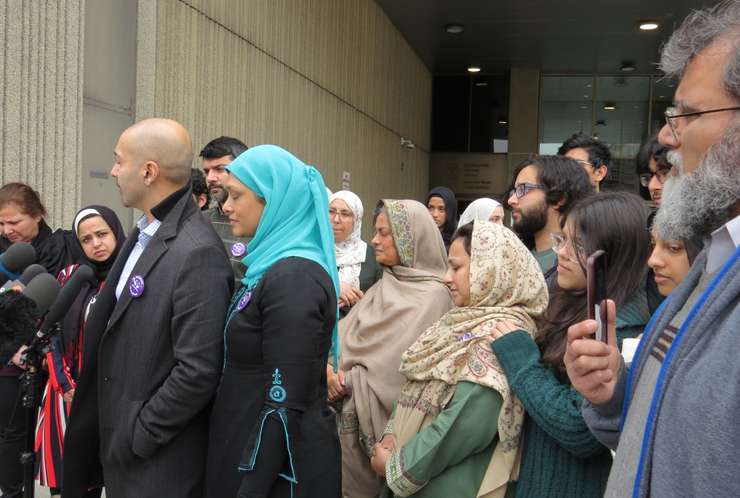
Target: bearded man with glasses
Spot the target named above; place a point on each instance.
(544, 189)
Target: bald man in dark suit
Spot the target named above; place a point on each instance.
(153, 346)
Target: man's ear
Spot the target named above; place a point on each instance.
(601, 172)
(151, 172)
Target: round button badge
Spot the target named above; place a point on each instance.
(238, 249)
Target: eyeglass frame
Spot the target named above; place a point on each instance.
(525, 188)
(674, 129)
(343, 215)
(559, 241)
(660, 174)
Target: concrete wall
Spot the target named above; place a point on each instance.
(524, 115)
(470, 176)
(41, 76)
(332, 81)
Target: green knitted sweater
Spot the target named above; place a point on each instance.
(560, 456)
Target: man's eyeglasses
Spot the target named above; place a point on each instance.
(524, 188)
(673, 113)
(661, 175)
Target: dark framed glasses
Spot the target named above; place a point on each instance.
(524, 188)
(662, 175)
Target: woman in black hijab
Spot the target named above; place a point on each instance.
(99, 237)
(442, 205)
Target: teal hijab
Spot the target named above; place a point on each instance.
(295, 221)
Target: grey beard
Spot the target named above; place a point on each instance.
(694, 205)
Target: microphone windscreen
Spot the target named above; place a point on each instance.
(30, 273)
(68, 294)
(18, 256)
(43, 290)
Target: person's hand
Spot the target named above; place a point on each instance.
(593, 366)
(348, 295)
(16, 360)
(69, 395)
(388, 441)
(381, 454)
(335, 384)
(502, 328)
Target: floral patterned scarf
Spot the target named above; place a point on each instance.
(506, 283)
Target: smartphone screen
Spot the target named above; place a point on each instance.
(596, 291)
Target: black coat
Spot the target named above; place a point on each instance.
(151, 365)
(271, 425)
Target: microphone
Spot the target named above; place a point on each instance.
(65, 299)
(42, 290)
(28, 274)
(18, 256)
(20, 313)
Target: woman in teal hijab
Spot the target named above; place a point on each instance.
(272, 433)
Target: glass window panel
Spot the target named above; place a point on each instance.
(566, 109)
(663, 91)
(489, 110)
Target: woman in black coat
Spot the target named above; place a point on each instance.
(22, 220)
(272, 433)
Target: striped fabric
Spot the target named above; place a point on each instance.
(663, 344)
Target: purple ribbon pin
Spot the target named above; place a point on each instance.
(136, 286)
(244, 301)
(238, 249)
(466, 336)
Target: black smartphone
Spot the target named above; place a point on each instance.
(596, 291)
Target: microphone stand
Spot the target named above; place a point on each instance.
(31, 388)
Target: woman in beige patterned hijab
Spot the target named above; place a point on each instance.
(410, 296)
(441, 440)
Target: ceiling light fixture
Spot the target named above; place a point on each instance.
(649, 25)
(454, 29)
(503, 122)
(481, 83)
(627, 67)
(474, 69)
(610, 106)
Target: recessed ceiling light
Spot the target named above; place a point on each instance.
(454, 29)
(481, 83)
(628, 67)
(610, 106)
(661, 96)
(502, 122)
(649, 25)
(584, 107)
(474, 69)
(588, 85)
(585, 96)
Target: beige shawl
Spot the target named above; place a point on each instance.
(381, 326)
(506, 283)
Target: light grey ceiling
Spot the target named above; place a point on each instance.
(558, 36)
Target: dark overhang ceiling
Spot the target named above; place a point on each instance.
(558, 36)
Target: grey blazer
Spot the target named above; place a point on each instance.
(151, 365)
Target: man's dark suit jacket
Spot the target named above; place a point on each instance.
(151, 365)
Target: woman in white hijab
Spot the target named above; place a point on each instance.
(345, 215)
(483, 209)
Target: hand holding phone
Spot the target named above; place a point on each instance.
(596, 291)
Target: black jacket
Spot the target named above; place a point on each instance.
(151, 365)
